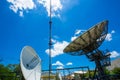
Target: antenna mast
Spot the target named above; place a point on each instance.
(50, 42)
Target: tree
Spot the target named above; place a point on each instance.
(10, 72)
(107, 72)
(5, 73)
(17, 70)
(116, 71)
(89, 74)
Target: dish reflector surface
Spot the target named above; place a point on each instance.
(30, 64)
(88, 41)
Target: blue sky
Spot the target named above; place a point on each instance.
(26, 22)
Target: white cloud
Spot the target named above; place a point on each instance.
(69, 63)
(21, 5)
(21, 14)
(56, 7)
(58, 63)
(60, 67)
(109, 36)
(57, 48)
(77, 33)
(114, 54)
(112, 31)
(73, 38)
(53, 40)
(80, 72)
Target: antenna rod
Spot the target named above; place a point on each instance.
(50, 42)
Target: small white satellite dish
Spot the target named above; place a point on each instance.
(30, 64)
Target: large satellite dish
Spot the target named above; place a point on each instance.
(88, 43)
(90, 40)
(30, 64)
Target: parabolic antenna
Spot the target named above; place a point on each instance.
(88, 44)
(90, 40)
(30, 64)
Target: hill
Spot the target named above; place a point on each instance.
(114, 63)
